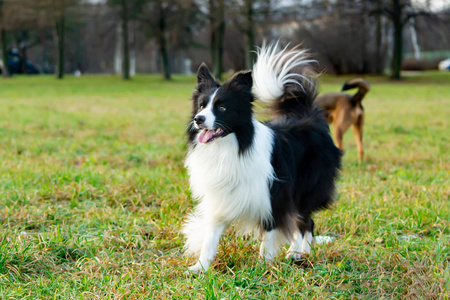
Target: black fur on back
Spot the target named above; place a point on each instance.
(306, 164)
(296, 102)
(305, 160)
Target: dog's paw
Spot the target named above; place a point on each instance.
(267, 258)
(196, 269)
(293, 255)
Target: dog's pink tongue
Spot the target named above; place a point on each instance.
(205, 135)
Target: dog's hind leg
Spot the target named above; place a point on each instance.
(358, 133)
(307, 236)
(209, 248)
(338, 135)
(342, 119)
(270, 244)
(307, 241)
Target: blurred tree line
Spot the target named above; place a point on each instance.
(175, 36)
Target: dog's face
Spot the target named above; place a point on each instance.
(219, 110)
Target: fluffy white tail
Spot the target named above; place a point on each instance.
(274, 70)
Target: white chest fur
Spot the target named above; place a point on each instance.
(232, 187)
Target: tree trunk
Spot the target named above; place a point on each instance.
(126, 54)
(217, 26)
(60, 32)
(379, 64)
(364, 60)
(162, 42)
(397, 54)
(218, 67)
(5, 70)
(250, 34)
(212, 28)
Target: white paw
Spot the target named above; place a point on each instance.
(267, 257)
(196, 269)
(293, 255)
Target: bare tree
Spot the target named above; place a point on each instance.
(55, 12)
(396, 15)
(60, 29)
(162, 42)
(157, 14)
(4, 41)
(123, 7)
(250, 17)
(400, 12)
(126, 52)
(217, 27)
(379, 61)
(364, 66)
(249, 33)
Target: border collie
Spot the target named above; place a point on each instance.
(268, 177)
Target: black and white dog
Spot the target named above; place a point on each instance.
(259, 176)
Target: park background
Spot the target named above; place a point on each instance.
(167, 37)
(93, 191)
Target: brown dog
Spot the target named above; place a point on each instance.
(344, 110)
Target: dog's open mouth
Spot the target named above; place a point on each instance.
(209, 135)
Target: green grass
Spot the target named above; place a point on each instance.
(94, 192)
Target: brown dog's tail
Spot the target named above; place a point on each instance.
(363, 88)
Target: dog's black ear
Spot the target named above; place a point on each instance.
(242, 80)
(204, 77)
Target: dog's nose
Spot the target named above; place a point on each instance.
(199, 119)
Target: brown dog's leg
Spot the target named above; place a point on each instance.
(341, 123)
(338, 134)
(358, 133)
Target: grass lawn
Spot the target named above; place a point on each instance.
(93, 193)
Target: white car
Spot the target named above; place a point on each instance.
(445, 65)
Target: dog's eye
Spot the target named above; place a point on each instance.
(222, 108)
(201, 107)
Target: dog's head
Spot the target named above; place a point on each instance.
(219, 110)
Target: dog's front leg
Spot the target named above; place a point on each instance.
(209, 248)
(269, 245)
(295, 250)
